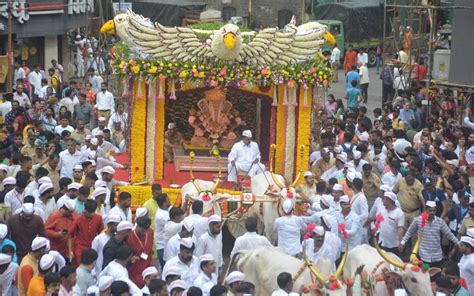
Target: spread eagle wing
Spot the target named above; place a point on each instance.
(167, 43)
(271, 47)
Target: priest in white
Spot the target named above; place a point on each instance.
(244, 157)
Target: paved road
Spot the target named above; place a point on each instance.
(375, 90)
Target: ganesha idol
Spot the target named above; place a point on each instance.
(215, 121)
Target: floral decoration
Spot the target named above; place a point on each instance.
(307, 74)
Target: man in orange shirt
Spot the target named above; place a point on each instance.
(57, 226)
(29, 264)
(350, 58)
(83, 230)
(37, 286)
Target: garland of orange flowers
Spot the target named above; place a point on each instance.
(137, 147)
(304, 129)
(280, 136)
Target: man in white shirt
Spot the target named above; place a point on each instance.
(101, 123)
(22, 98)
(288, 229)
(364, 81)
(45, 201)
(67, 101)
(362, 57)
(337, 170)
(69, 195)
(466, 263)
(111, 221)
(70, 158)
(185, 261)
(14, 198)
(19, 74)
(244, 157)
(211, 241)
(174, 224)
(250, 240)
(122, 208)
(8, 275)
(351, 222)
(285, 284)
(393, 176)
(196, 219)
(118, 116)
(392, 224)
(323, 244)
(335, 61)
(207, 278)
(360, 206)
(63, 126)
(35, 79)
(161, 217)
(117, 269)
(105, 102)
(358, 161)
(172, 247)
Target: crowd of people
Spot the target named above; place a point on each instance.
(63, 233)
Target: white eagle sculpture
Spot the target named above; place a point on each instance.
(268, 47)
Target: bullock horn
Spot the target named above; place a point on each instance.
(272, 155)
(343, 261)
(298, 176)
(192, 155)
(414, 252)
(276, 181)
(394, 262)
(217, 155)
(313, 269)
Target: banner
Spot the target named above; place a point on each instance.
(4, 63)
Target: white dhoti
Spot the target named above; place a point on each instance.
(244, 167)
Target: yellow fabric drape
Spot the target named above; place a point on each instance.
(304, 130)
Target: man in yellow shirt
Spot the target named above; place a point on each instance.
(36, 286)
(151, 205)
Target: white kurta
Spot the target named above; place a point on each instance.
(120, 273)
(288, 229)
(390, 179)
(352, 222)
(188, 272)
(393, 220)
(68, 161)
(329, 249)
(124, 216)
(249, 241)
(161, 217)
(333, 172)
(7, 278)
(171, 229)
(172, 247)
(210, 244)
(466, 268)
(199, 223)
(14, 199)
(98, 245)
(48, 207)
(244, 156)
(360, 207)
(204, 283)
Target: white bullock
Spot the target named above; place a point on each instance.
(190, 191)
(417, 282)
(262, 266)
(260, 184)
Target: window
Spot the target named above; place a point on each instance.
(284, 17)
(228, 12)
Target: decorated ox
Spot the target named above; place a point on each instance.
(381, 276)
(262, 266)
(201, 190)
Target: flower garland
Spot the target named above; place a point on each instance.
(224, 74)
(137, 147)
(378, 219)
(342, 230)
(304, 130)
(280, 136)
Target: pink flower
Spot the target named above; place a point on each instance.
(213, 83)
(291, 83)
(312, 70)
(223, 71)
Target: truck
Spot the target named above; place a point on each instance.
(359, 24)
